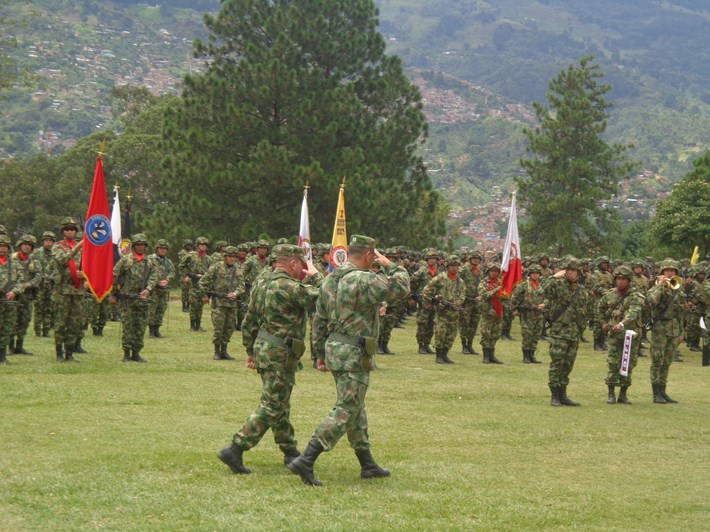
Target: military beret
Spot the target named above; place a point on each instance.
(287, 250)
(362, 241)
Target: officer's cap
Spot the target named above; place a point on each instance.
(288, 250)
(362, 241)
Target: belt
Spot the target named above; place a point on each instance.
(344, 339)
(281, 342)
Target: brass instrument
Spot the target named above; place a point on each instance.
(675, 282)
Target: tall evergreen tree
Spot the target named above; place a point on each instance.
(297, 91)
(572, 170)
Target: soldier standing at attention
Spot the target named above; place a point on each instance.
(134, 279)
(490, 290)
(619, 310)
(69, 291)
(274, 332)
(161, 296)
(193, 266)
(597, 283)
(528, 302)
(567, 301)
(187, 246)
(224, 283)
(667, 304)
(471, 274)
(425, 317)
(446, 292)
(44, 315)
(345, 331)
(31, 279)
(10, 288)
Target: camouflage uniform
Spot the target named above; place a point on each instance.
(598, 283)
(567, 303)
(219, 281)
(445, 292)
(626, 308)
(97, 314)
(344, 328)
(31, 279)
(132, 275)
(10, 281)
(425, 316)
(491, 314)
(184, 287)
(526, 298)
(43, 311)
(666, 309)
(68, 295)
(471, 314)
(695, 296)
(273, 333)
(193, 266)
(161, 296)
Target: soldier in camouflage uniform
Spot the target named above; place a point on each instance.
(68, 295)
(667, 307)
(345, 328)
(393, 311)
(597, 284)
(192, 267)
(489, 290)
(134, 280)
(224, 283)
(567, 302)
(273, 333)
(242, 252)
(97, 314)
(31, 279)
(696, 306)
(10, 287)
(619, 310)
(425, 316)
(641, 283)
(218, 255)
(256, 264)
(161, 296)
(471, 274)
(187, 246)
(528, 302)
(445, 293)
(43, 313)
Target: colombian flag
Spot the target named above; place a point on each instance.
(97, 254)
(511, 265)
(339, 242)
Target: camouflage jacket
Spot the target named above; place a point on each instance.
(526, 298)
(348, 304)
(194, 266)
(627, 308)
(666, 308)
(471, 279)
(442, 286)
(599, 282)
(166, 269)
(640, 282)
(279, 304)
(421, 278)
(487, 291)
(44, 258)
(567, 307)
(131, 277)
(11, 277)
(695, 294)
(224, 280)
(62, 260)
(253, 267)
(31, 275)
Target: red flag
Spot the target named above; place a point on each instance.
(97, 255)
(511, 265)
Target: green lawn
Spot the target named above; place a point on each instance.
(123, 446)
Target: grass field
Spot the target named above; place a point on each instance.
(125, 446)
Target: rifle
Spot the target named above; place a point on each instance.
(447, 304)
(132, 297)
(5, 301)
(243, 305)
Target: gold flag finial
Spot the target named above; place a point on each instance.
(102, 148)
(116, 187)
(306, 186)
(342, 185)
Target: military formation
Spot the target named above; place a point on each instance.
(274, 296)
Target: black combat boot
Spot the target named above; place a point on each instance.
(677, 357)
(290, 456)
(492, 356)
(622, 396)
(185, 307)
(78, 348)
(440, 356)
(45, 333)
(198, 325)
(526, 356)
(38, 333)
(69, 354)
(657, 397)
(487, 355)
(598, 345)
(100, 330)
(611, 398)
(446, 357)
(555, 396)
(506, 334)
(695, 347)
(303, 465)
(662, 389)
(3, 355)
(11, 345)
(380, 350)
(566, 400)
(465, 349)
(423, 349)
(151, 331)
(232, 456)
(583, 340)
(217, 352)
(19, 347)
(370, 469)
(386, 349)
(60, 352)
(156, 331)
(137, 356)
(126, 355)
(224, 355)
(94, 330)
(532, 357)
(470, 346)
(192, 325)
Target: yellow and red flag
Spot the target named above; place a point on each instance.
(97, 253)
(339, 242)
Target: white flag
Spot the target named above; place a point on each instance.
(116, 219)
(304, 231)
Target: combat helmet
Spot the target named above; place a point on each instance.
(187, 242)
(5, 240)
(623, 271)
(69, 221)
(26, 239)
(243, 247)
(202, 240)
(49, 235)
(220, 244)
(453, 260)
(262, 243)
(600, 259)
(669, 263)
(570, 263)
(230, 251)
(534, 268)
(139, 238)
(493, 266)
(162, 243)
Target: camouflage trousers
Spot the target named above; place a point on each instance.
(387, 323)
(196, 304)
(615, 346)
(7, 323)
(158, 306)
(692, 328)
(531, 329)
(507, 322)
(97, 313)
(44, 313)
(348, 416)
(446, 325)
(134, 320)
(470, 317)
(185, 293)
(562, 356)
(224, 321)
(425, 325)
(491, 328)
(23, 316)
(273, 412)
(68, 318)
(663, 349)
